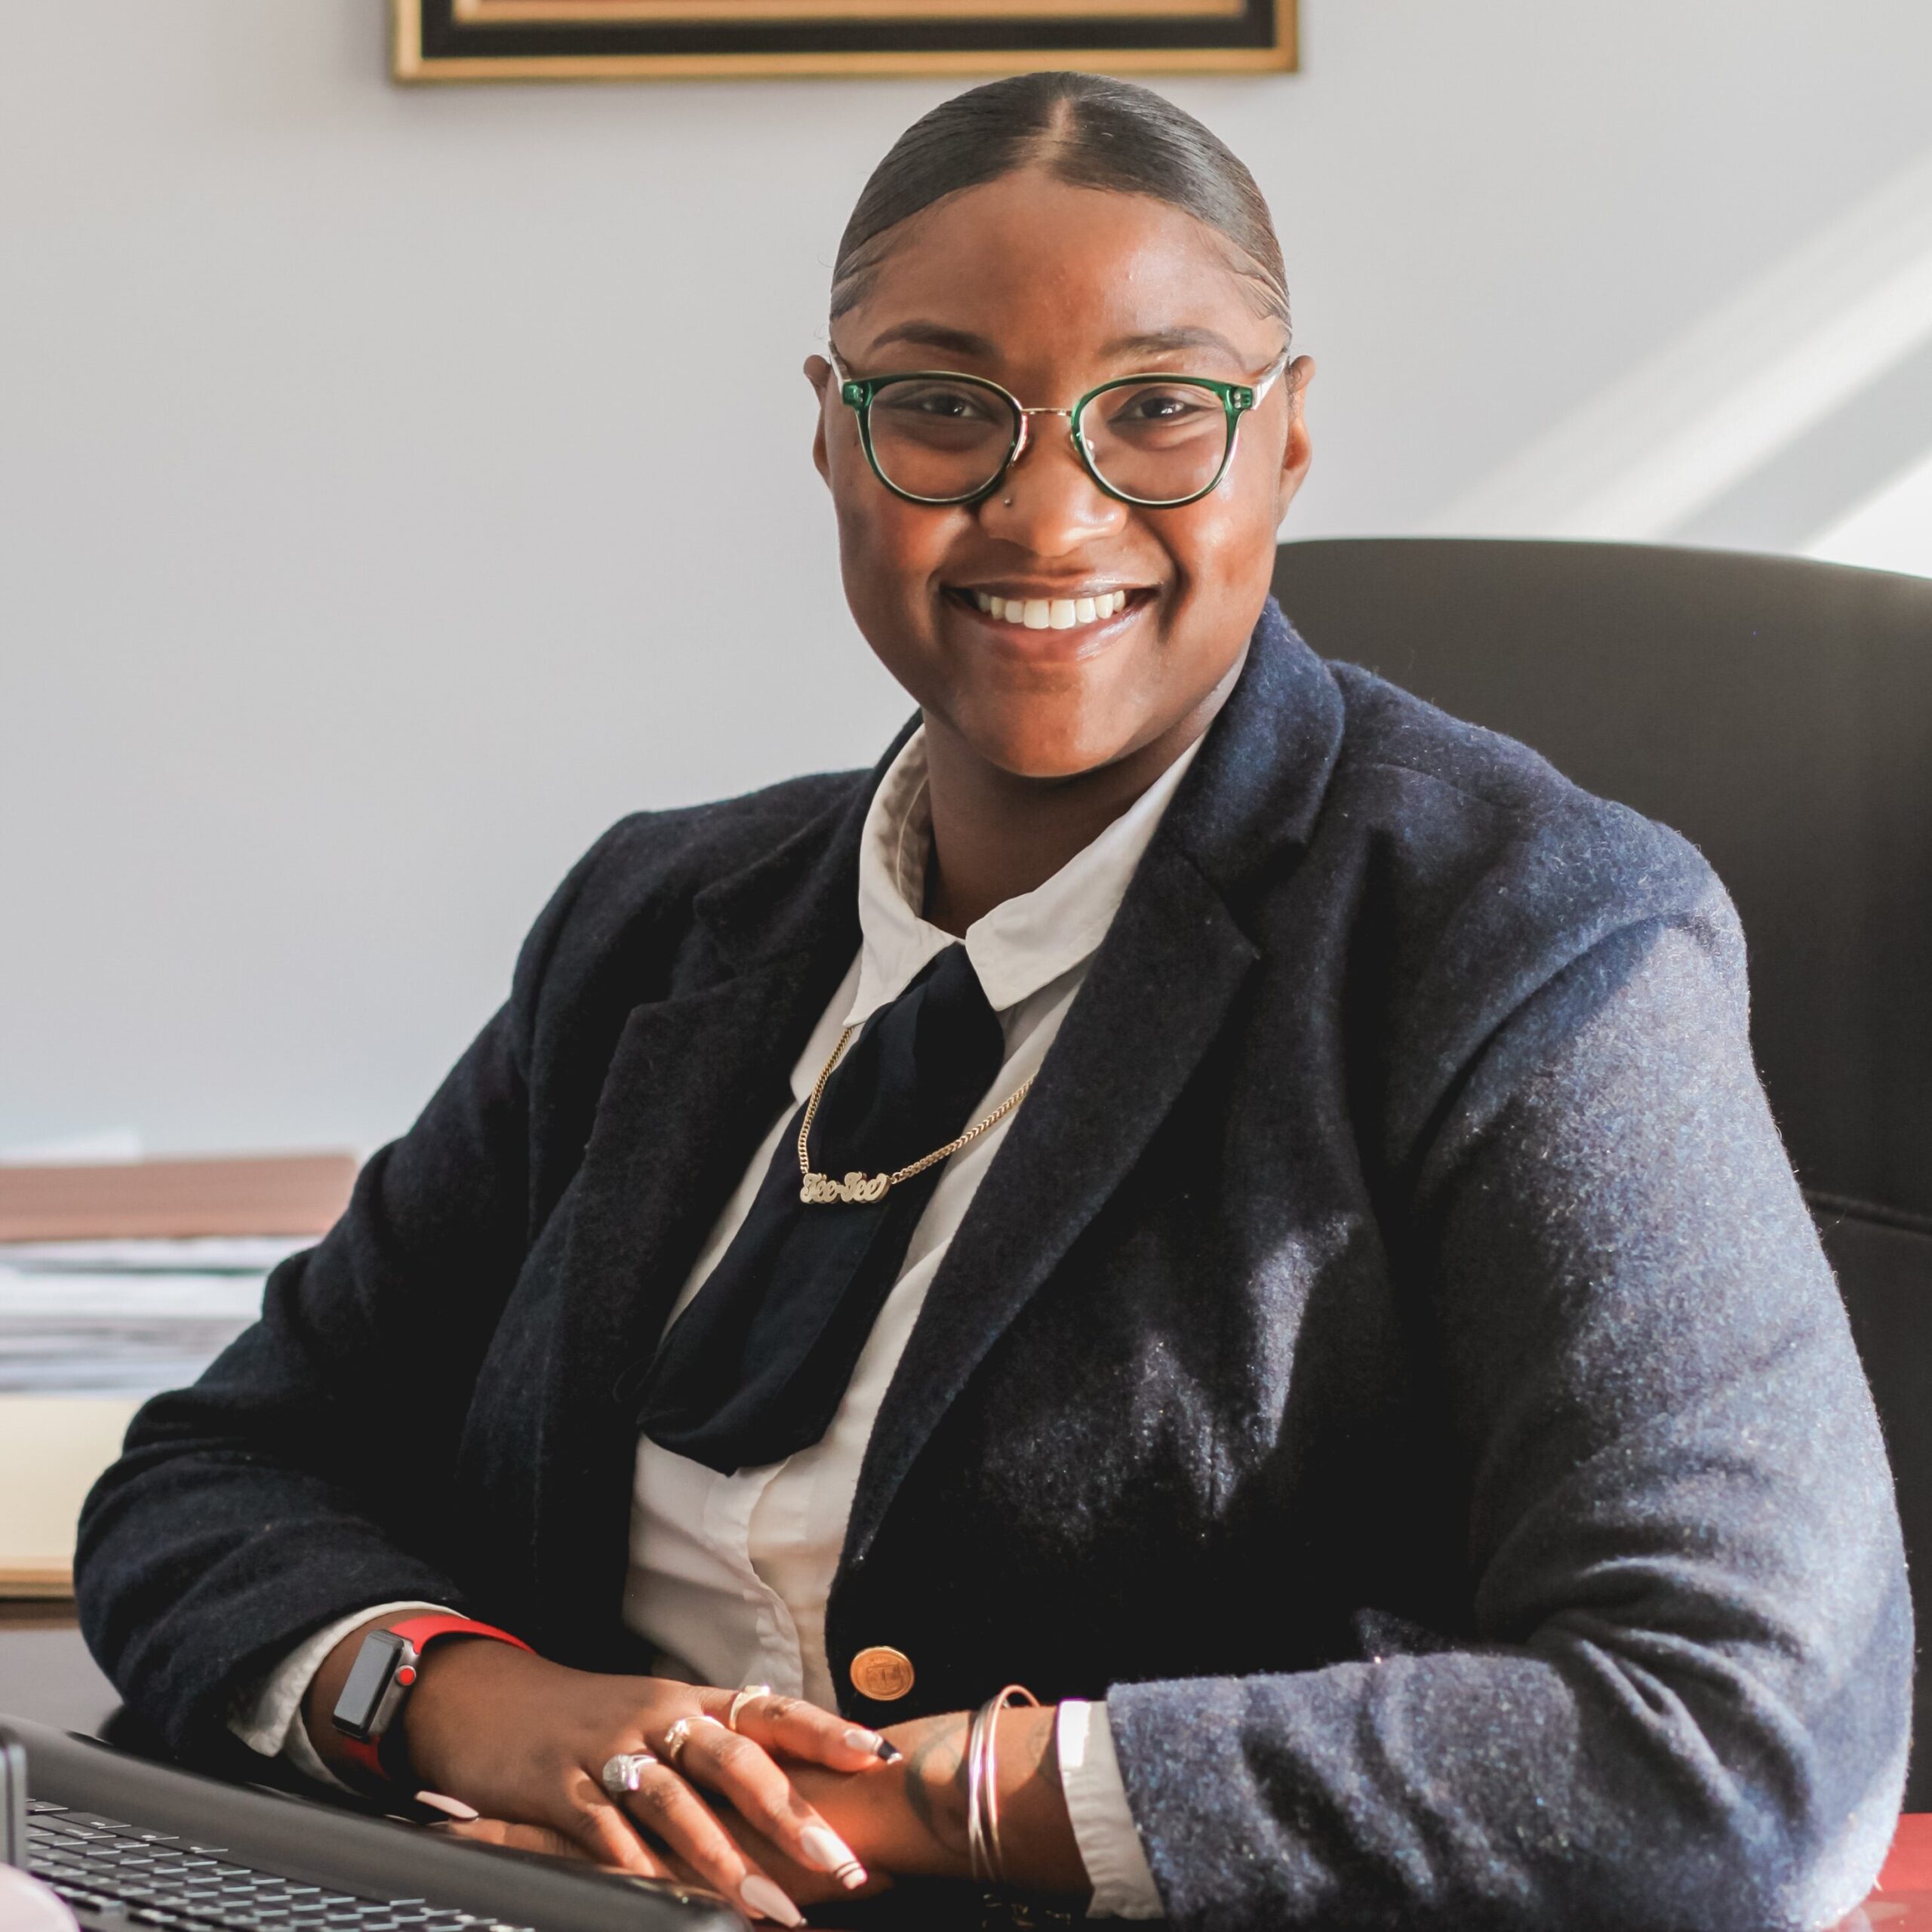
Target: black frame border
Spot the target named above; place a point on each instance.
(432, 45)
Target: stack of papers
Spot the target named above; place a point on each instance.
(126, 1318)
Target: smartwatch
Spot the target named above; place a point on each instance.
(381, 1677)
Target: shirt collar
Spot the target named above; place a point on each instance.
(1023, 943)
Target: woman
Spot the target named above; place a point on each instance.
(1201, 1187)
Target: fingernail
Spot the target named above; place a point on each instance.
(768, 1901)
(871, 1741)
(454, 1807)
(830, 1853)
(889, 1752)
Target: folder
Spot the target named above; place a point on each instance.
(118, 1279)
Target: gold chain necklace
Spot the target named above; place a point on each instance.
(820, 1190)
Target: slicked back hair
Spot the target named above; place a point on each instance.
(1083, 129)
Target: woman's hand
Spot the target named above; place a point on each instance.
(524, 1741)
(910, 1821)
(802, 1886)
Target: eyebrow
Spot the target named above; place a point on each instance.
(937, 335)
(1152, 342)
(1161, 342)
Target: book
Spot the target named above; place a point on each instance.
(277, 1194)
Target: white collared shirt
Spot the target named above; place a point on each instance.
(729, 1575)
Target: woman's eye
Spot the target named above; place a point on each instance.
(1163, 405)
(951, 405)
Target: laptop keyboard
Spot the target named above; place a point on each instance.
(110, 1873)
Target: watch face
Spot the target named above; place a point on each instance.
(361, 1696)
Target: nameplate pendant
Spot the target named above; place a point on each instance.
(821, 1190)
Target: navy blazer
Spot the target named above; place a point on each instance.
(1389, 1359)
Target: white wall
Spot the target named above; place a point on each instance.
(396, 487)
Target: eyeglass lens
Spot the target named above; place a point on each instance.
(1157, 439)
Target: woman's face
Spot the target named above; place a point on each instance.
(1050, 289)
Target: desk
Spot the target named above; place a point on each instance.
(46, 1675)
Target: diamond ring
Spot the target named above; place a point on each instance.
(625, 1772)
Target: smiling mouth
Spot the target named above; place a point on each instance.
(1048, 613)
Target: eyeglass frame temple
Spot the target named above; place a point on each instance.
(1237, 399)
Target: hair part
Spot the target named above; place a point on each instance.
(1084, 130)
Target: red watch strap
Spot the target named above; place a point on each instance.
(419, 1632)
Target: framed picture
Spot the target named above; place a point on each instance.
(504, 40)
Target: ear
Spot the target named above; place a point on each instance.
(1297, 452)
(818, 372)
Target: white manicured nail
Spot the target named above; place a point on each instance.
(768, 1901)
(830, 1853)
(454, 1807)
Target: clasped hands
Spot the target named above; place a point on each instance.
(766, 1814)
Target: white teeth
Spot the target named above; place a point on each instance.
(1058, 614)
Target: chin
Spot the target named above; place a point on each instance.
(1027, 752)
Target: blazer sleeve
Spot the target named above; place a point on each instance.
(309, 1472)
(1685, 1699)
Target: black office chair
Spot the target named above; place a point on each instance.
(1779, 713)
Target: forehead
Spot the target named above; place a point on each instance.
(1047, 272)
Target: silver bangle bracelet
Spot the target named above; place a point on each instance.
(983, 1848)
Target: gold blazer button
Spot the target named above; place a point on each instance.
(881, 1673)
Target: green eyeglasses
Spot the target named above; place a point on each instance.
(1155, 441)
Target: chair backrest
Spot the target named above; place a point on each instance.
(1778, 713)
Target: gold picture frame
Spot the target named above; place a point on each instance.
(576, 40)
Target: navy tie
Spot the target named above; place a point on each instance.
(755, 1368)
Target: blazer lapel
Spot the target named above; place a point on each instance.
(694, 1082)
(1158, 992)
(1125, 1050)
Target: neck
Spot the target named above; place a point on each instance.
(996, 835)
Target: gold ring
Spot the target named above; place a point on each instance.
(675, 1739)
(744, 1698)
